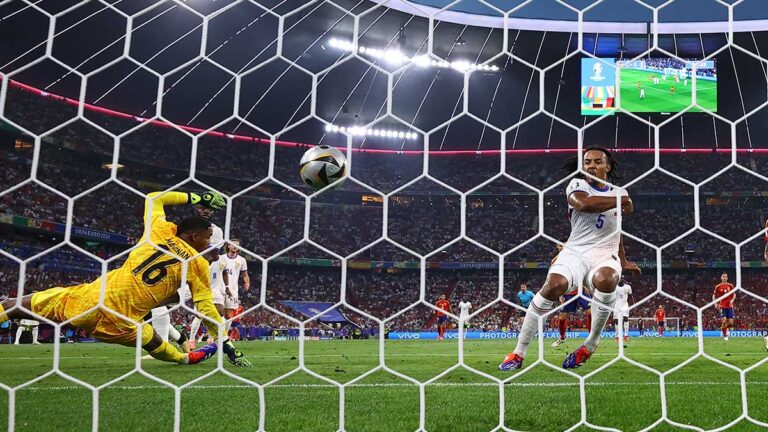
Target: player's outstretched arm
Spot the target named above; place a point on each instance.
(582, 202)
(154, 206)
(209, 199)
(158, 200)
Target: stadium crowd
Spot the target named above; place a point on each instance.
(268, 218)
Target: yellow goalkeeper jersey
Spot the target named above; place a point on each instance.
(152, 274)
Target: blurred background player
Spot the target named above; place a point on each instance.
(28, 325)
(442, 319)
(765, 258)
(219, 280)
(161, 317)
(765, 251)
(572, 307)
(524, 296)
(661, 318)
(238, 331)
(5, 330)
(464, 307)
(623, 301)
(593, 255)
(725, 304)
(236, 266)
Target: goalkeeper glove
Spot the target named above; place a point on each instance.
(209, 199)
(234, 355)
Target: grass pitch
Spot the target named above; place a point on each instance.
(658, 98)
(702, 393)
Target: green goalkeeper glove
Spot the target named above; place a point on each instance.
(234, 355)
(209, 199)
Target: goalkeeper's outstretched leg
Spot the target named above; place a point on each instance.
(111, 330)
(116, 331)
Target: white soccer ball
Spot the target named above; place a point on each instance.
(322, 165)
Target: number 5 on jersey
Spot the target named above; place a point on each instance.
(600, 221)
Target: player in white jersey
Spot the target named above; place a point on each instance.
(219, 280)
(464, 307)
(623, 301)
(236, 267)
(161, 318)
(27, 325)
(593, 255)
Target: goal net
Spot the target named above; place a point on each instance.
(462, 124)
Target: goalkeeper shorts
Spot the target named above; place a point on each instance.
(64, 304)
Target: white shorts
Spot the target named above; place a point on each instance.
(621, 313)
(231, 302)
(218, 295)
(579, 268)
(29, 323)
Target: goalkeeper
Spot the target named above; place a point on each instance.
(151, 276)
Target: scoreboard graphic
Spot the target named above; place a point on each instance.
(598, 86)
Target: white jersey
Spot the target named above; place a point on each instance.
(234, 267)
(217, 280)
(622, 296)
(464, 307)
(217, 238)
(593, 231)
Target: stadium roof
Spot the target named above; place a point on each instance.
(275, 92)
(608, 16)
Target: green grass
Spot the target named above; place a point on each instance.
(658, 97)
(702, 393)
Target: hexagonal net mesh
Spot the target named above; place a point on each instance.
(460, 140)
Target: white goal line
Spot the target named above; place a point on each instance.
(383, 385)
(376, 355)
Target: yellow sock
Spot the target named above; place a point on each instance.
(3, 316)
(169, 353)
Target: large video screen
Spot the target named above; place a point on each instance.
(661, 85)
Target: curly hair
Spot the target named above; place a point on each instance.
(613, 176)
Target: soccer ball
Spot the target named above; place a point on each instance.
(322, 165)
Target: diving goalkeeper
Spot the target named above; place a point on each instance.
(151, 276)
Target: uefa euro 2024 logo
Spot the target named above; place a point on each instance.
(597, 72)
